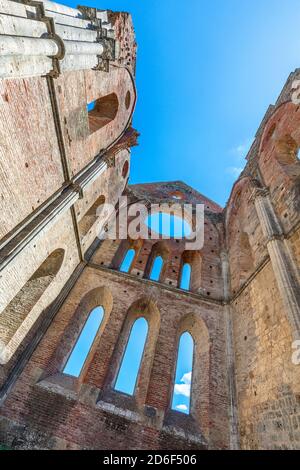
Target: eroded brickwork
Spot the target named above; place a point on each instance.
(267, 381)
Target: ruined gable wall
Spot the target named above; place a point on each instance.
(267, 381)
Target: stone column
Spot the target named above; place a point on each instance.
(26, 46)
(233, 413)
(284, 268)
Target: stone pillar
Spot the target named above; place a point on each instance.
(284, 268)
(20, 45)
(233, 413)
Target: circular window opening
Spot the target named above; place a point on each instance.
(177, 195)
(125, 169)
(169, 225)
(127, 99)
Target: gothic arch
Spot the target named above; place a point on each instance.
(146, 308)
(200, 399)
(123, 248)
(16, 317)
(243, 231)
(279, 146)
(158, 249)
(100, 296)
(194, 259)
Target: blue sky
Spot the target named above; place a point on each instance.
(183, 378)
(130, 365)
(84, 342)
(206, 73)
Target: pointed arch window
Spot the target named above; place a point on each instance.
(132, 358)
(17, 317)
(127, 261)
(84, 343)
(185, 279)
(183, 377)
(156, 268)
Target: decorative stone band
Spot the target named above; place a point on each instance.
(40, 38)
(284, 268)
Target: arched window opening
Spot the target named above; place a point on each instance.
(185, 280)
(127, 99)
(21, 305)
(125, 169)
(190, 272)
(91, 216)
(91, 106)
(127, 261)
(131, 362)
(183, 378)
(84, 343)
(287, 150)
(102, 111)
(177, 195)
(156, 269)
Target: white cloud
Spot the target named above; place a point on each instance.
(182, 407)
(187, 378)
(184, 388)
(238, 156)
(241, 150)
(234, 171)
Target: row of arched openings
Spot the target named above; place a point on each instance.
(157, 267)
(132, 358)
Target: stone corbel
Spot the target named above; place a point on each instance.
(110, 160)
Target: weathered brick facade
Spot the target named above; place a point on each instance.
(59, 163)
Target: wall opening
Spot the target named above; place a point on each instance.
(102, 111)
(84, 343)
(125, 169)
(287, 150)
(132, 358)
(185, 279)
(127, 99)
(127, 261)
(90, 217)
(168, 224)
(190, 272)
(183, 377)
(156, 269)
(21, 305)
(157, 262)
